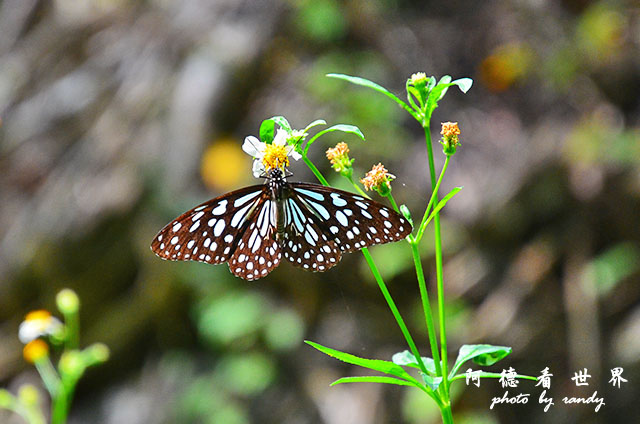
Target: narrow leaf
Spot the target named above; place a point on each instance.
(442, 203)
(379, 365)
(352, 129)
(407, 358)
(314, 124)
(282, 121)
(464, 84)
(372, 379)
(377, 87)
(267, 130)
(481, 354)
(431, 381)
(431, 83)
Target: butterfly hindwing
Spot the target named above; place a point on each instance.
(257, 252)
(211, 231)
(306, 243)
(352, 221)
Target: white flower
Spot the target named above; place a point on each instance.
(267, 156)
(36, 324)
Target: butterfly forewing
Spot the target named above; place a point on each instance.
(211, 231)
(257, 252)
(352, 221)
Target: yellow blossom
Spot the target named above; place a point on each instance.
(418, 78)
(450, 133)
(339, 158)
(335, 153)
(449, 129)
(275, 156)
(35, 350)
(378, 179)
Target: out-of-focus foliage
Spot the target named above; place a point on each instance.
(119, 115)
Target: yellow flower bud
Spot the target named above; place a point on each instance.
(35, 351)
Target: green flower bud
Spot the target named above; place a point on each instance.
(28, 395)
(450, 140)
(72, 364)
(96, 353)
(68, 301)
(6, 399)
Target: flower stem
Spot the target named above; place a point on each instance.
(438, 254)
(358, 189)
(394, 205)
(394, 309)
(315, 171)
(381, 284)
(426, 306)
(445, 411)
(49, 376)
(434, 195)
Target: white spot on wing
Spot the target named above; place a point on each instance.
(220, 209)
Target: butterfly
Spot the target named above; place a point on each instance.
(254, 227)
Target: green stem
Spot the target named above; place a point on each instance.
(394, 205)
(394, 309)
(445, 411)
(49, 376)
(315, 171)
(73, 327)
(382, 285)
(426, 305)
(434, 195)
(438, 254)
(59, 408)
(358, 189)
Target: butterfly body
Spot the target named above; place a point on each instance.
(253, 227)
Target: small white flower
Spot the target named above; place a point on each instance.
(257, 149)
(36, 324)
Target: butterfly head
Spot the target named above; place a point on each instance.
(276, 174)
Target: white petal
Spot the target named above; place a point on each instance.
(291, 151)
(253, 147)
(258, 168)
(281, 137)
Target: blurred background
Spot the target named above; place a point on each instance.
(119, 115)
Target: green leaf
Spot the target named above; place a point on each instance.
(284, 124)
(481, 354)
(406, 358)
(442, 86)
(379, 365)
(267, 130)
(438, 92)
(372, 379)
(352, 129)
(407, 214)
(314, 124)
(431, 83)
(464, 84)
(372, 85)
(441, 204)
(431, 381)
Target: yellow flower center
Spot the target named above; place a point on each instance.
(275, 156)
(336, 153)
(35, 350)
(450, 129)
(39, 315)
